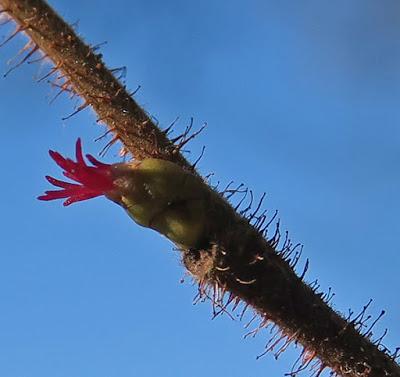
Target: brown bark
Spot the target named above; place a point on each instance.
(236, 262)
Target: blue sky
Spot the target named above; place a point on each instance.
(301, 100)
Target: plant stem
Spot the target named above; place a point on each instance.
(237, 262)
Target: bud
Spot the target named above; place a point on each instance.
(157, 194)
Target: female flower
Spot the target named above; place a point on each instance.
(156, 193)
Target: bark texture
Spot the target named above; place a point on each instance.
(236, 262)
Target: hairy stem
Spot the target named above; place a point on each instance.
(236, 262)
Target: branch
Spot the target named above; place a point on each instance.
(237, 263)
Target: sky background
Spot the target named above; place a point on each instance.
(302, 102)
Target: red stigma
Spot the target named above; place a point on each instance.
(92, 181)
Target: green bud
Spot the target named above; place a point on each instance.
(159, 194)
